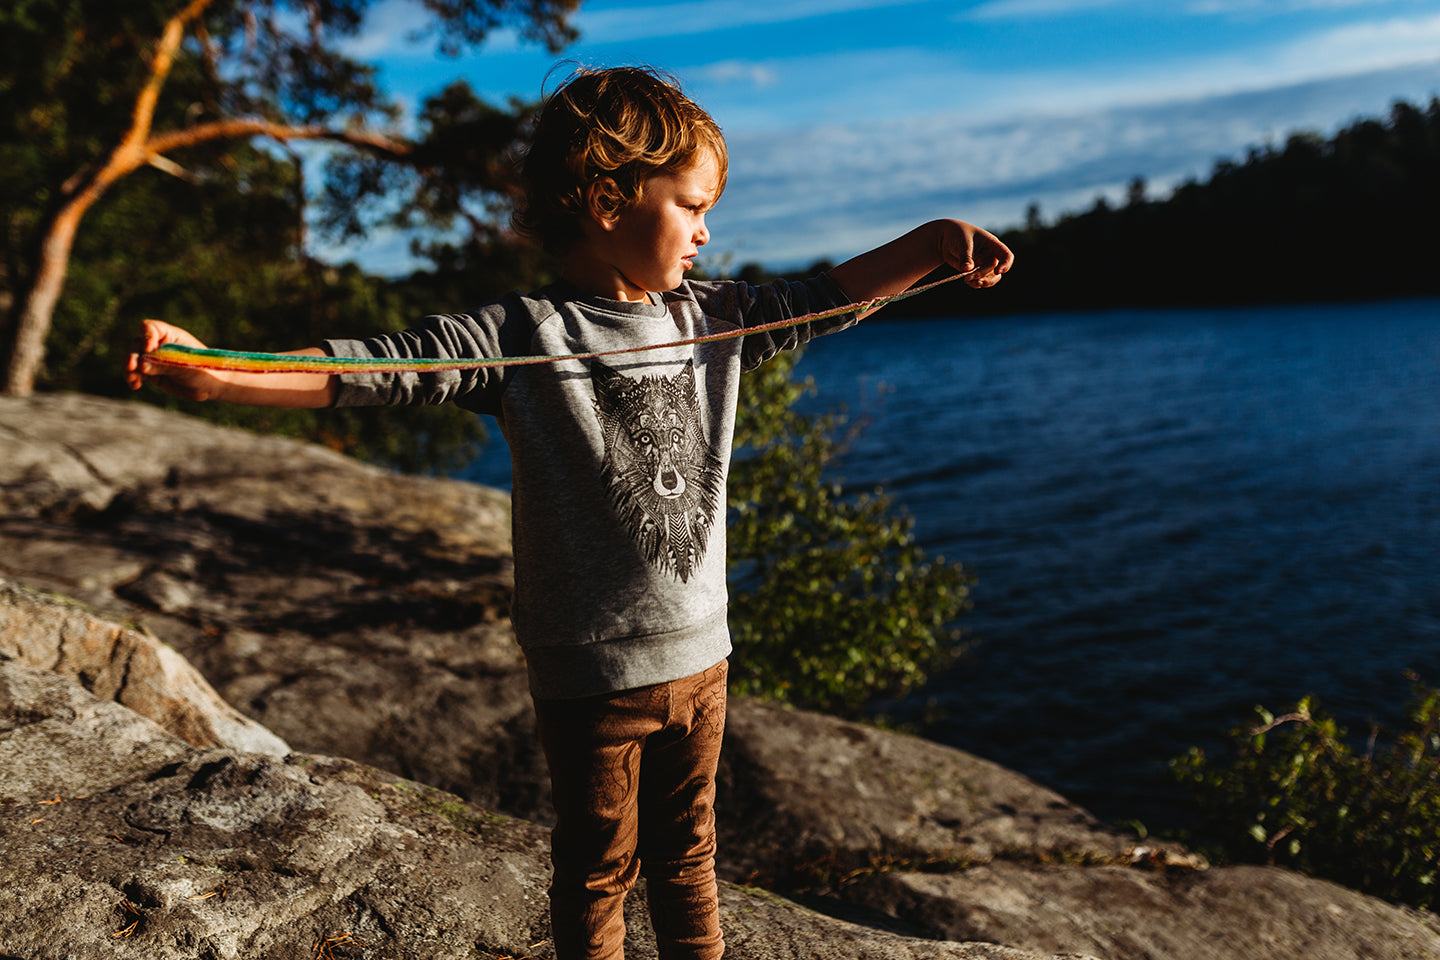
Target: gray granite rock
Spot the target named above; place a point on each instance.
(122, 840)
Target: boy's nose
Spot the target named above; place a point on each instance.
(702, 234)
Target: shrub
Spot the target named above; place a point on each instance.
(832, 601)
(1297, 793)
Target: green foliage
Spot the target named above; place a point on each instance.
(832, 601)
(1297, 793)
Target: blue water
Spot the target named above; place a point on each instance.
(1172, 515)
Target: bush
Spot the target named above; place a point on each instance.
(832, 601)
(1298, 794)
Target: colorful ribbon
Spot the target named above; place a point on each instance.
(177, 355)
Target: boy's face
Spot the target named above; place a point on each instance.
(648, 246)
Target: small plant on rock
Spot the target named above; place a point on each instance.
(1298, 793)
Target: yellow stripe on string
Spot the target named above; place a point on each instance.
(178, 355)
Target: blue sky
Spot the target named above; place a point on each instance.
(850, 121)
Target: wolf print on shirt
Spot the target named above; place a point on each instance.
(662, 478)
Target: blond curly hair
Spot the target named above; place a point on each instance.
(621, 124)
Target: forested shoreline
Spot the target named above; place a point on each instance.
(1349, 217)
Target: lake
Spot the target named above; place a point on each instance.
(1173, 516)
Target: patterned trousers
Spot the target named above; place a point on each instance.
(633, 777)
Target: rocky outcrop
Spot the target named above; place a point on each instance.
(141, 844)
(134, 670)
(357, 618)
(1255, 913)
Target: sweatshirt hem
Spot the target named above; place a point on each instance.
(569, 671)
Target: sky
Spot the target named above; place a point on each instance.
(851, 121)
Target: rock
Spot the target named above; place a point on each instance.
(214, 853)
(817, 796)
(1244, 913)
(125, 666)
(48, 731)
(350, 610)
(184, 852)
(357, 614)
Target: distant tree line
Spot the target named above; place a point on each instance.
(1349, 218)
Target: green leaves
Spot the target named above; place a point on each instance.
(1298, 793)
(832, 601)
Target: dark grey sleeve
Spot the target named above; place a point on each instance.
(779, 300)
(488, 333)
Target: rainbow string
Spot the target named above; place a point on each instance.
(177, 355)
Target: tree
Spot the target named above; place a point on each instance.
(115, 88)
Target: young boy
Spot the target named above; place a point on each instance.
(619, 475)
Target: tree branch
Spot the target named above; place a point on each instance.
(143, 115)
(166, 165)
(234, 129)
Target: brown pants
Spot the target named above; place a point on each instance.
(633, 775)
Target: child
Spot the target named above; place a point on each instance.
(619, 475)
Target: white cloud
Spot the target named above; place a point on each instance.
(1364, 46)
(1023, 9)
(755, 75)
(1313, 56)
(1030, 9)
(1209, 7)
(626, 24)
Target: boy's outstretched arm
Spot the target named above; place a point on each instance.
(977, 254)
(229, 386)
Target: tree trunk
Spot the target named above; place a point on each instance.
(37, 303)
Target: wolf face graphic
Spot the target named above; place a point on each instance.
(660, 473)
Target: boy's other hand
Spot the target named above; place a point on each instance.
(187, 383)
(977, 253)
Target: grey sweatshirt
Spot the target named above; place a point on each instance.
(619, 464)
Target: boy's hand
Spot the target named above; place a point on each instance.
(259, 389)
(187, 383)
(977, 254)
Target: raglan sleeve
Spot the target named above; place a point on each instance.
(782, 300)
(489, 332)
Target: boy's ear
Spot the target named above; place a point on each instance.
(603, 201)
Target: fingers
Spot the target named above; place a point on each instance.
(991, 257)
(136, 367)
(135, 364)
(978, 255)
(153, 335)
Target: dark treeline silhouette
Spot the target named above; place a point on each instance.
(1353, 217)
